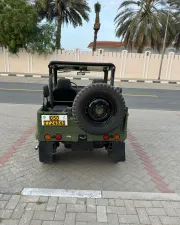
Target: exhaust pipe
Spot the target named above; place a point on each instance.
(37, 146)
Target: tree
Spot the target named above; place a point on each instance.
(17, 20)
(97, 8)
(43, 41)
(19, 28)
(175, 5)
(63, 12)
(144, 24)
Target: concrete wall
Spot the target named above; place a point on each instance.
(128, 65)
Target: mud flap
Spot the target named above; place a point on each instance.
(117, 152)
(45, 152)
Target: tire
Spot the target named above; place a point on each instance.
(117, 152)
(46, 150)
(98, 81)
(111, 99)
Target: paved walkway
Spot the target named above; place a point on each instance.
(110, 208)
(152, 150)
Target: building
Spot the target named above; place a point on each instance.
(115, 46)
(108, 46)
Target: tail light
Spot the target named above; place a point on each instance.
(58, 137)
(116, 137)
(106, 137)
(47, 137)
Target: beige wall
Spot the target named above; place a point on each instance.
(128, 65)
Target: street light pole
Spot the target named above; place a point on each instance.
(164, 45)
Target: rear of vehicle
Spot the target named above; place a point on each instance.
(94, 117)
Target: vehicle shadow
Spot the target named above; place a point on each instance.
(66, 155)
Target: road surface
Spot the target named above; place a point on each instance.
(156, 99)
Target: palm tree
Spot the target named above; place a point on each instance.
(144, 24)
(97, 8)
(63, 12)
(175, 4)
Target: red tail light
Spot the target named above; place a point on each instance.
(58, 137)
(106, 137)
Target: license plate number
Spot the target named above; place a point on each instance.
(54, 120)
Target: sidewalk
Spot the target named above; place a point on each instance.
(88, 208)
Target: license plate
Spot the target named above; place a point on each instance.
(54, 120)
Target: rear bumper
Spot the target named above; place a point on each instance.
(72, 132)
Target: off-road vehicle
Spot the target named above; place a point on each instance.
(81, 117)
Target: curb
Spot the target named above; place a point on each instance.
(70, 193)
(101, 194)
(88, 78)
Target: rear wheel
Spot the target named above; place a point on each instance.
(117, 152)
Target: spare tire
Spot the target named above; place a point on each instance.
(99, 108)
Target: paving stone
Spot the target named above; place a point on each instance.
(177, 212)
(13, 201)
(81, 223)
(157, 204)
(43, 215)
(76, 208)
(113, 219)
(127, 219)
(3, 204)
(102, 201)
(29, 199)
(36, 222)
(81, 201)
(92, 208)
(5, 197)
(5, 213)
(111, 202)
(156, 211)
(96, 223)
(43, 199)
(101, 214)
(166, 220)
(91, 201)
(175, 205)
(9, 222)
(86, 217)
(64, 200)
(116, 209)
(35, 206)
(52, 223)
(143, 217)
(155, 220)
(70, 219)
(168, 208)
(52, 203)
(119, 202)
(130, 208)
(60, 212)
(142, 204)
(26, 218)
(19, 210)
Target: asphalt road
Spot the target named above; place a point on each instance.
(29, 93)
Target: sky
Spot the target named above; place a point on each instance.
(80, 37)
